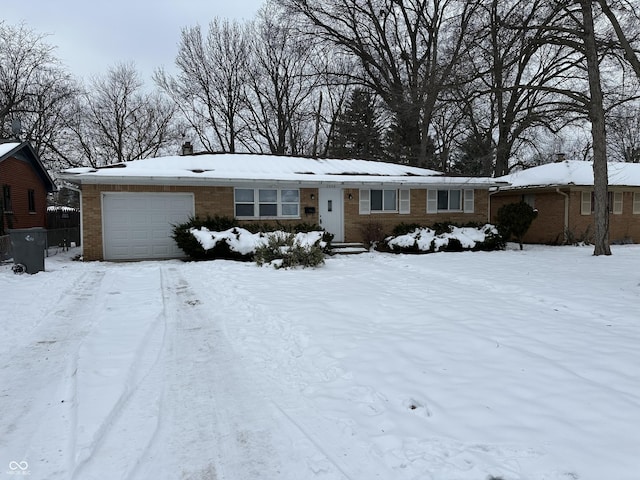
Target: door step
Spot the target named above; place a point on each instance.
(346, 248)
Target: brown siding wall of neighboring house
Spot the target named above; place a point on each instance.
(548, 227)
(21, 177)
(357, 225)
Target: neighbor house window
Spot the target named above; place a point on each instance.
(6, 198)
(529, 199)
(450, 200)
(588, 202)
(617, 203)
(385, 201)
(31, 200)
(636, 203)
(267, 202)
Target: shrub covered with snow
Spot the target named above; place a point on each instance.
(286, 250)
(283, 249)
(222, 237)
(449, 239)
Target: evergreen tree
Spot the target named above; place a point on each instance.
(476, 156)
(357, 133)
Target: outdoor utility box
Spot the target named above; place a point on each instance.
(28, 246)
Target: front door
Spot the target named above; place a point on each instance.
(331, 212)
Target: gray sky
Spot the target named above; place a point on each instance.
(93, 35)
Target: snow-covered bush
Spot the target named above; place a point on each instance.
(286, 250)
(452, 239)
(283, 249)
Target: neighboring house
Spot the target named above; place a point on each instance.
(563, 195)
(24, 184)
(128, 210)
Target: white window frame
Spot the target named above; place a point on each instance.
(256, 203)
(467, 200)
(402, 201)
(636, 203)
(618, 198)
(585, 203)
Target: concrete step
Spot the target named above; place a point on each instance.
(347, 248)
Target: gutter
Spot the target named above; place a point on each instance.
(565, 231)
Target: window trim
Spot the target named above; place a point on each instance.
(636, 203)
(467, 200)
(617, 203)
(257, 203)
(402, 201)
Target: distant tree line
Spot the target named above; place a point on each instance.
(465, 87)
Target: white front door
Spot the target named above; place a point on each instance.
(331, 212)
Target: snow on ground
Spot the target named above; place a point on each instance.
(449, 366)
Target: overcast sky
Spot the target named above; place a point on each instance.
(93, 35)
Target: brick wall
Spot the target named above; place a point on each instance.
(21, 176)
(356, 224)
(548, 227)
(209, 201)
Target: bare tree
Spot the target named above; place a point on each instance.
(209, 90)
(283, 81)
(407, 51)
(116, 120)
(34, 89)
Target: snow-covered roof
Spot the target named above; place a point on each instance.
(571, 172)
(239, 168)
(7, 147)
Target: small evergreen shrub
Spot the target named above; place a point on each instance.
(514, 219)
(404, 228)
(282, 250)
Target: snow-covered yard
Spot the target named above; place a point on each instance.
(449, 366)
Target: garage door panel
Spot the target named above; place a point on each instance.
(140, 225)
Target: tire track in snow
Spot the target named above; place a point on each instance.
(118, 385)
(217, 419)
(43, 400)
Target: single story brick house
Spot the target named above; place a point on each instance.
(128, 209)
(562, 193)
(24, 184)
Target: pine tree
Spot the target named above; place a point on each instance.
(357, 133)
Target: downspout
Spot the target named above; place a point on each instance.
(565, 231)
(491, 192)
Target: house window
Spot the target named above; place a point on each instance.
(31, 200)
(449, 200)
(617, 203)
(453, 200)
(636, 203)
(6, 198)
(379, 201)
(529, 199)
(588, 202)
(267, 202)
(384, 200)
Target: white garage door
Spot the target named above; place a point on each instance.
(138, 226)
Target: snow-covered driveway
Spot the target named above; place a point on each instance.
(519, 365)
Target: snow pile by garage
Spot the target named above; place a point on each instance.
(426, 240)
(243, 242)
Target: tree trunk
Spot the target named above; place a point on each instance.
(598, 135)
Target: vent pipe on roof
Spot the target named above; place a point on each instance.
(187, 148)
